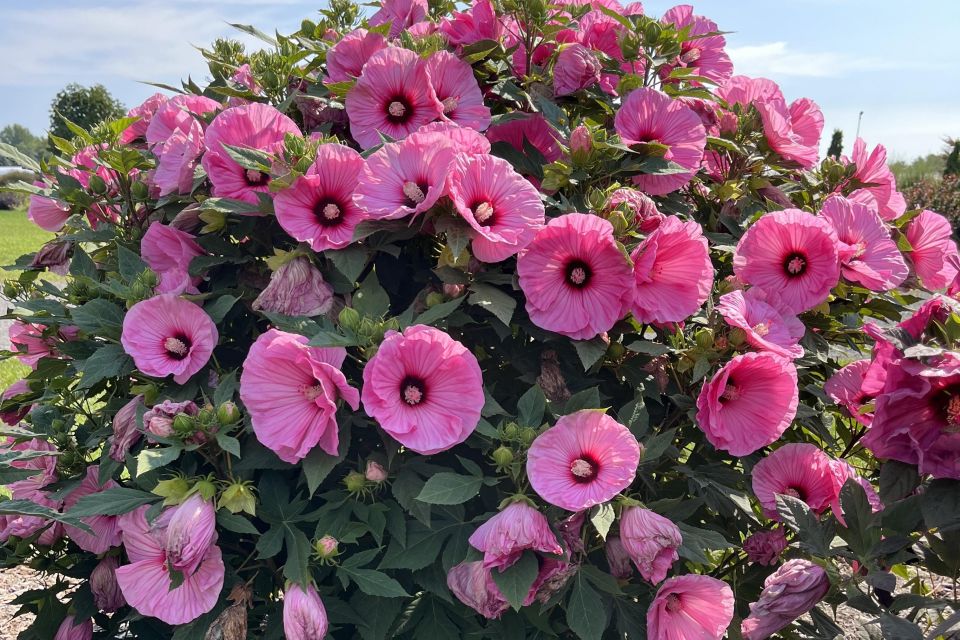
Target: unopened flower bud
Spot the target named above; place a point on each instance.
(617, 558)
(97, 185)
(70, 629)
(737, 337)
(503, 456)
(125, 433)
(528, 435)
(375, 472)
(140, 190)
(173, 491)
(651, 542)
(434, 298)
(183, 424)
(704, 338)
(327, 547)
(788, 593)
(581, 143)
(228, 413)
(453, 290)
(349, 318)
(206, 488)
(511, 431)
(237, 497)
(304, 617)
(355, 482)
(103, 583)
(765, 547)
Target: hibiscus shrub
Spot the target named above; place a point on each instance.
(523, 320)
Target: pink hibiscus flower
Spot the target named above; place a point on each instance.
(472, 583)
(651, 541)
(304, 616)
(105, 529)
(799, 470)
(792, 253)
(690, 606)
(792, 131)
(168, 335)
(137, 131)
(705, 54)
(576, 279)
(400, 14)
(933, 251)
(47, 213)
(35, 341)
(503, 209)
(168, 251)
(788, 593)
(769, 324)
(881, 193)
(457, 90)
(649, 116)
(296, 288)
(291, 392)
(464, 139)
(346, 58)
(178, 114)
(73, 629)
(177, 163)
(18, 411)
(641, 209)
(576, 68)
(845, 388)
(868, 254)
(466, 27)
(586, 458)
(672, 271)
(424, 388)
(749, 403)
(504, 537)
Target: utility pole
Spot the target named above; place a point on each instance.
(859, 119)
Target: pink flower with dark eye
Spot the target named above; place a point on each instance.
(457, 90)
(533, 130)
(519, 527)
(103, 584)
(672, 272)
(799, 470)
(400, 14)
(125, 433)
(423, 388)
(296, 288)
(933, 252)
(503, 209)
(105, 529)
(319, 208)
(845, 388)
(868, 255)
(466, 27)
(842, 472)
(651, 541)
(649, 116)
(788, 593)
(291, 392)
(168, 335)
(575, 277)
(764, 547)
(393, 97)
(880, 192)
(168, 252)
(576, 68)
(769, 325)
(585, 459)
(346, 58)
(304, 616)
(791, 253)
(473, 585)
(690, 607)
(705, 54)
(137, 131)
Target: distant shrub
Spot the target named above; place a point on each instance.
(939, 194)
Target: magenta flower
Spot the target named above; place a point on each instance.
(706, 54)
(690, 607)
(137, 131)
(799, 470)
(764, 547)
(182, 539)
(319, 208)
(745, 91)
(15, 414)
(503, 209)
(346, 58)
(769, 325)
(178, 114)
(33, 342)
(881, 193)
(466, 27)
(504, 537)
(933, 252)
(73, 629)
(791, 253)
(473, 585)
(457, 90)
(576, 68)
(393, 96)
(296, 288)
(424, 388)
(177, 163)
(291, 392)
(649, 116)
(672, 272)
(749, 403)
(843, 471)
(788, 593)
(26, 526)
(255, 126)
(651, 541)
(168, 252)
(103, 583)
(845, 388)
(405, 178)
(168, 335)
(47, 213)
(576, 279)
(533, 130)
(304, 617)
(792, 131)
(586, 458)
(400, 14)
(868, 254)
(105, 529)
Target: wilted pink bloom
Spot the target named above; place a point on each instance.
(646, 215)
(55, 256)
(764, 547)
(473, 585)
(881, 194)
(788, 593)
(105, 529)
(178, 114)
(393, 96)
(649, 116)
(304, 617)
(576, 279)
(159, 419)
(375, 472)
(933, 252)
(792, 253)
(319, 208)
(651, 541)
(177, 163)
(792, 131)
(464, 139)
(504, 537)
(704, 55)
(672, 272)
(168, 252)
(23, 526)
(244, 77)
(576, 68)
(168, 335)
(296, 288)
(291, 392)
(571, 531)
(255, 126)
(769, 324)
(14, 416)
(466, 27)
(845, 388)
(617, 558)
(554, 573)
(533, 130)
(868, 254)
(405, 178)
(799, 470)
(423, 388)
(71, 629)
(125, 433)
(346, 58)
(586, 458)
(503, 209)
(457, 90)
(400, 14)
(137, 132)
(843, 471)
(690, 607)
(154, 551)
(47, 213)
(34, 341)
(103, 583)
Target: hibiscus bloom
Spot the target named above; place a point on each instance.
(586, 458)
(705, 54)
(649, 116)
(576, 68)
(933, 252)
(576, 280)
(466, 27)
(137, 131)
(881, 194)
(792, 131)
(105, 530)
(47, 213)
(346, 58)
(504, 537)
(690, 606)
(178, 162)
(799, 470)
(464, 139)
(168, 252)
(792, 253)
(400, 14)
(291, 392)
(168, 335)
(672, 271)
(503, 209)
(73, 629)
(845, 388)
(769, 325)
(788, 593)
(472, 583)
(424, 388)
(304, 616)
(457, 90)
(868, 254)
(178, 114)
(651, 541)
(296, 288)
(33, 342)
(319, 208)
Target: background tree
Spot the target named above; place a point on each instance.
(85, 106)
(952, 167)
(836, 144)
(19, 136)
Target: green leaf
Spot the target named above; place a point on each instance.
(150, 459)
(219, 308)
(602, 519)
(349, 262)
(375, 583)
(515, 581)
(251, 159)
(797, 515)
(449, 488)
(586, 614)
(590, 351)
(228, 205)
(696, 541)
(111, 502)
(649, 348)
(18, 157)
(531, 406)
(235, 523)
(897, 480)
(225, 389)
(439, 311)
(297, 567)
(106, 362)
(586, 399)
(318, 464)
(370, 299)
(229, 444)
(99, 316)
(940, 505)
(129, 263)
(493, 300)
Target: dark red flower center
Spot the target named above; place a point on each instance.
(795, 264)
(795, 492)
(951, 410)
(673, 603)
(256, 178)
(413, 391)
(329, 212)
(177, 346)
(578, 274)
(584, 468)
(415, 192)
(484, 213)
(398, 109)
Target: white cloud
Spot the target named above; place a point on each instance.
(777, 59)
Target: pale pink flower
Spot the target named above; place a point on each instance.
(576, 279)
(103, 584)
(304, 617)
(32, 342)
(690, 607)
(649, 116)
(504, 537)
(533, 130)
(178, 114)
(291, 392)
(319, 208)
(23, 526)
(46, 464)
(881, 193)
(672, 272)
(105, 529)
(868, 254)
(243, 77)
(788, 593)
(168, 252)
(375, 472)
(651, 541)
(168, 335)
(137, 131)
(843, 471)
(645, 213)
(296, 288)
(466, 27)
(424, 389)
(400, 14)
(799, 470)
(125, 433)
(158, 421)
(586, 458)
(769, 325)
(705, 55)
(72, 629)
(47, 213)
(457, 90)
(764, 547)
(792, 131)
(617, 558)
(576, 68)
(933, 252)
(503, 209)
(791, 253)
(845, 388)
(346, 58)
(473, 585)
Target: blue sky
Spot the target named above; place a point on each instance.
(895, 62)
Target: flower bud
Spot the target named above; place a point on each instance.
(704, 338)
(140, 190)
(159, 419)
(97, 185)
(125, 433)
(296, 288)
(788, 593)
(355, 482)
(651, 542)
(304, 617)
(511, 431)
(327, 547)
(434, 298)
(503, 456)
(183, 424)
(206, 488)
(228, 413)
(453, 290)
(375, 472)
(737, 336)
(765, 547)
(189, 534)
(70, 629)
(173, 491)
(617, 558)
(528, 435)
(237, 497)
(103, 583)
(581, 143)
(577, 68)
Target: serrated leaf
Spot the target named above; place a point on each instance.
(449, 488)
(488, 297)
(219, 308)
(349, 261)
(99, 316)
(106, 362)
(586, 614)
(590, 351)
(111, 502)
(439, 311)
(150, 459)
(370, 299)
(375, 583)
(531, 406)
(235, 523)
